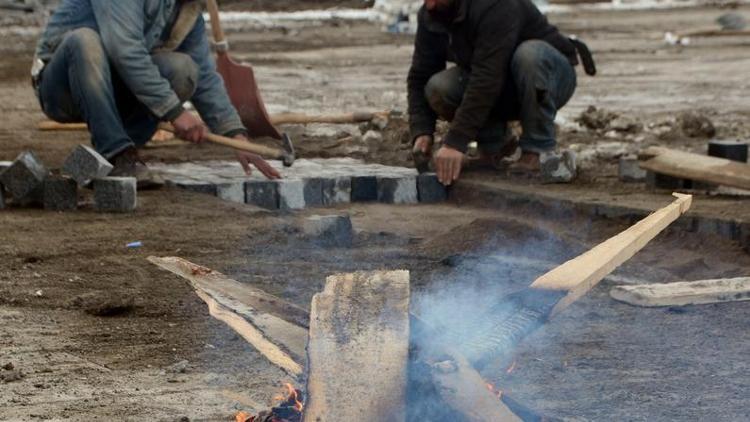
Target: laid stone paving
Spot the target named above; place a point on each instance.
(308, 183)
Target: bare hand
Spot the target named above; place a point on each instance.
(189, 127)
(247, 159)
(448, 162)
(423, 143)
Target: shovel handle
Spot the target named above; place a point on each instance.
(263, 150)
(213, 11)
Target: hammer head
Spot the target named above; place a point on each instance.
(288, 157)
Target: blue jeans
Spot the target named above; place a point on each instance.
(79, 85)
(541, 82)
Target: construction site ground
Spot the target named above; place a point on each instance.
(97, 330)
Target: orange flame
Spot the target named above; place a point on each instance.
(292, 395)
(243, 417)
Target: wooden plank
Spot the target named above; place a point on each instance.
(691, 166)
(581, 274)
(684, 292)
(358, 348)
(247, 311)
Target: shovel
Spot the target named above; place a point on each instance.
(240, 82)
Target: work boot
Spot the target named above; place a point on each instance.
(128, 164)
(528, 164)
(494, 160)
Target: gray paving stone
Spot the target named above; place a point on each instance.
(24, 176)
(329, 230)
(115, 194)
(337, 190)
(397, 190)
(232, 191)
(4, 165)
(262, 193)
(291, 194)
(2, 197)
(60, 193)
(557, 167)
(364, 189)
(629, 170)
(313, 192)
(430, 190)
(198, 186)
(84, 165)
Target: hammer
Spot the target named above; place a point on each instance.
(286, 154)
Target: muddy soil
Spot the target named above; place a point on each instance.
(95, 329)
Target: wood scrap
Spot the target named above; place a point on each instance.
(698, 167)
(684, 293)
(268, 323)
(358, 348)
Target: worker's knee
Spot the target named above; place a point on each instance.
(529, 56)
(181, 72)
(443, 93)
(85, 44)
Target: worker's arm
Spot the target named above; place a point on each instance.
(210, 97)
(429, 58)
(121, 27)
(497, 35)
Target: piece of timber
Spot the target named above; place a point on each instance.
(457, 384)
(691, 166)
(494, 335)
(684, 293)
(298, 118)
(274, 327)
(358, 348)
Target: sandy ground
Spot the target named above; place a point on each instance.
(95, 329)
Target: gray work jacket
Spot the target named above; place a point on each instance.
(131, 30)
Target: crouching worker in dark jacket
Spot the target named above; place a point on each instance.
(124, 66)
(511, 64)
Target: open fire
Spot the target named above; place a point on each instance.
(289, 408)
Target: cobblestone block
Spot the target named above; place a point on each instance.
(84, 165)
(364, 189)
(430, 190)
(337, 190)
(231, 191)
(24, 176)
(115, 194)
(629, 170)
(291, 194)
(330, 230)
(313, 192)
(397, 190)
(262, 193)
(60, 193)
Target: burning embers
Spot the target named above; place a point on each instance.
(289, 408)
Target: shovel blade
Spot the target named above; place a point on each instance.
(243, 91)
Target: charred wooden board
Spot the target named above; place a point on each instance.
(684, 293)
(358, 348)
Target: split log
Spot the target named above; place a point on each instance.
(494, 335)
(358, 348)
(691, 166)
(272, 326)
(684, 292)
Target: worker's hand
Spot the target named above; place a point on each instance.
(423, 143)
(247, 159)
(448, 162)
(189, 127)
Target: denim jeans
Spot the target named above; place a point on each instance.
(79, 85)
(543, 82)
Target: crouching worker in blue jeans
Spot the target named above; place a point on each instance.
(511, 64)
(124, 66)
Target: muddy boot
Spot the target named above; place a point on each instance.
(528, 164)
(494, 161)
(127, 164)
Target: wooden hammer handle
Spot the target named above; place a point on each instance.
(235, 143)
(213, 11)
(299, 118)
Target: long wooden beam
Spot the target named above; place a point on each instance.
(249, 312)
(691, 166)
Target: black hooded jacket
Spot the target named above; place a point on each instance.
(481, 39)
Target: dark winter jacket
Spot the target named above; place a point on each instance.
(481, 39)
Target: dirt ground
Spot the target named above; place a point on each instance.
(99, 333)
